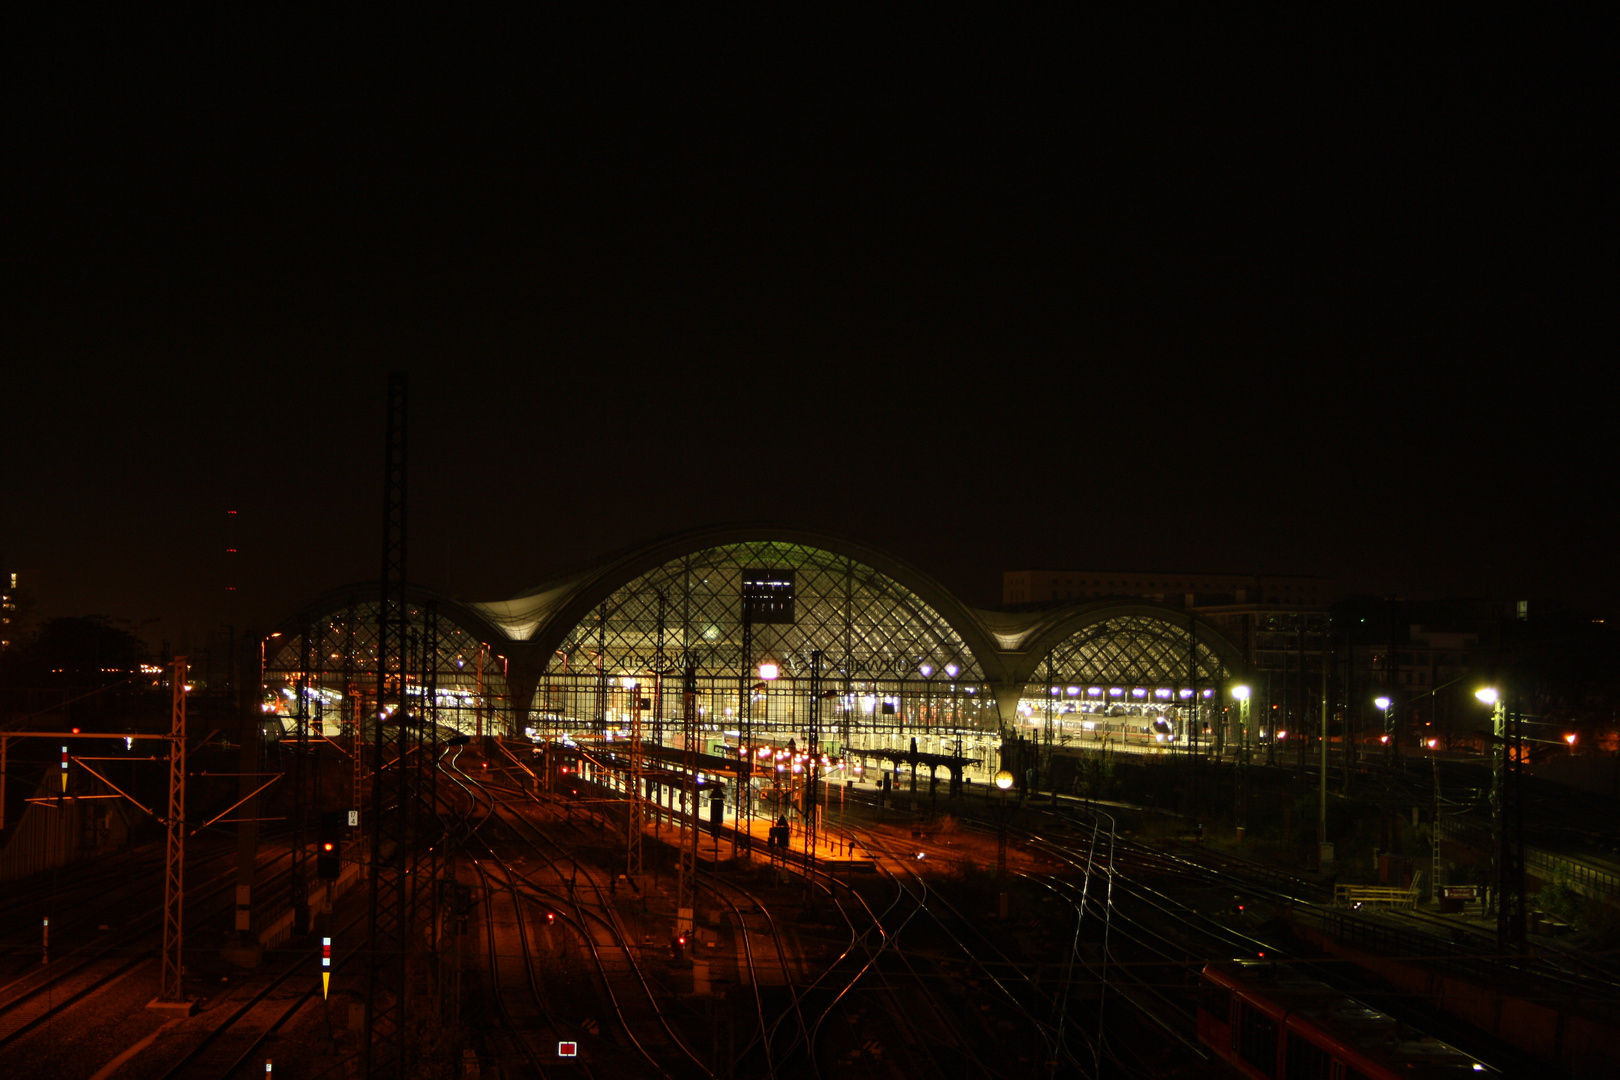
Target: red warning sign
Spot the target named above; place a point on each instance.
(567, 1049)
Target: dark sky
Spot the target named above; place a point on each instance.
(1225, 294)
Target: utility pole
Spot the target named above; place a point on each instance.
(171, 991)
(686, 886)
(246, 652)
(1509, 821)
(383, 1046)
(1352, 739)
(300, 882)
(632, 811)
(742, 837)
(812, 800)
(1323, 856)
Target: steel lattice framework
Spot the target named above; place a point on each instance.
(1133, 652)
(469, 686)
(888, 655)
(171, 989)
(1148, 667)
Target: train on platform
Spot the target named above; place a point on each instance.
(1269, 1022)
(563, 765)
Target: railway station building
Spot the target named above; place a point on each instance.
(781, 634)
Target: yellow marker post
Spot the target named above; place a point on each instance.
(326, 966)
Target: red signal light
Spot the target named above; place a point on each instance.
(327, 846)
(75, 731)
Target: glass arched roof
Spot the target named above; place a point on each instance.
(689, 611)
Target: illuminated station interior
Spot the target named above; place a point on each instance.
(781, 634)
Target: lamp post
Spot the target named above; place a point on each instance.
(1436, 865)
(1509, 822)
(951, 671)
(1240, 810)
(1385, 705)
(767, 671)
(1004, 780)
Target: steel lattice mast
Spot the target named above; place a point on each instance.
(300, 881)
(812, 772)
(686, 890)
(170, 990)
(383, 1054)
(633, 814)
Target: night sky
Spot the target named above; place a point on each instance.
(1225, 294)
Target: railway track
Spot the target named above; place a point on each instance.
(59, 993)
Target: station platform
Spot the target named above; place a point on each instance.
(834, 853)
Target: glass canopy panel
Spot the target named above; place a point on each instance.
(1130, 677)
(887, 658)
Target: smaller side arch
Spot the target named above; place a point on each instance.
(1024, 666)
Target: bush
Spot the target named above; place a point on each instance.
(1561, 902)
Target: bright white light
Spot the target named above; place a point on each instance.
(1116, 691)
(1487, 696)
(927, 670)
(1185, 694)
(1138, 692)
(1382, 702)
(1089, 725)
(768, 670)
(951, 670)
(1240, 693)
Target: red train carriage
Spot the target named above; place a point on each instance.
(1271, 1023)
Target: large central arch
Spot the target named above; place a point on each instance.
(897, 655)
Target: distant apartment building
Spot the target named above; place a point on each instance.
(1184, 588)
(8, 610)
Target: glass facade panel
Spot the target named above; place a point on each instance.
(891, 668)
(449, 672)
(1129, 680)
